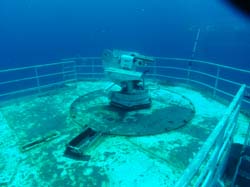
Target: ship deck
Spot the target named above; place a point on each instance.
(155, 160)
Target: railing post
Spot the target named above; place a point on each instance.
(63, 72)
(216, 80)
(75, 70)
(154, 71)
(92, 69)
(189, 71)
(79, 68)
(37, 80)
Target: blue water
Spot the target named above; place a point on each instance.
(37, 31)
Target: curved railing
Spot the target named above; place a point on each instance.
(220, 80)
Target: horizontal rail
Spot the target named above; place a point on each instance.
(168, 67)
(202, 62)
(246, 101)
(202, 73)
(90, 73)
(157, 75)
(35, 77)
(160, 67)
(72, 60)
(36, 66)
(211, 87)
(195, 81)
(170, 77)
(198, 72)
(201, 83)
(229, 81)
(34, 88)
(83, 58)
(88, 66)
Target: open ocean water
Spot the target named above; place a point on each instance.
(38, 31)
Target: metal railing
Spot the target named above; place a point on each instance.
(197, 72)
(174, 69)
(218, 79)
(35, 79)
(207, 166)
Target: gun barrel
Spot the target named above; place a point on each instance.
(145, 58)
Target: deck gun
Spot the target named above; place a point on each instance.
(120, 67)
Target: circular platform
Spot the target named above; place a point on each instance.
(169, 111)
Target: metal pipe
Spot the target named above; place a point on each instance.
(216, 80)
(193, 168)
(37, 80)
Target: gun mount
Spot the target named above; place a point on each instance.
(120, 67)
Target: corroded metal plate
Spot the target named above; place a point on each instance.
(169, 111)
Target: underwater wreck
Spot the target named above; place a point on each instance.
(123, 119)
